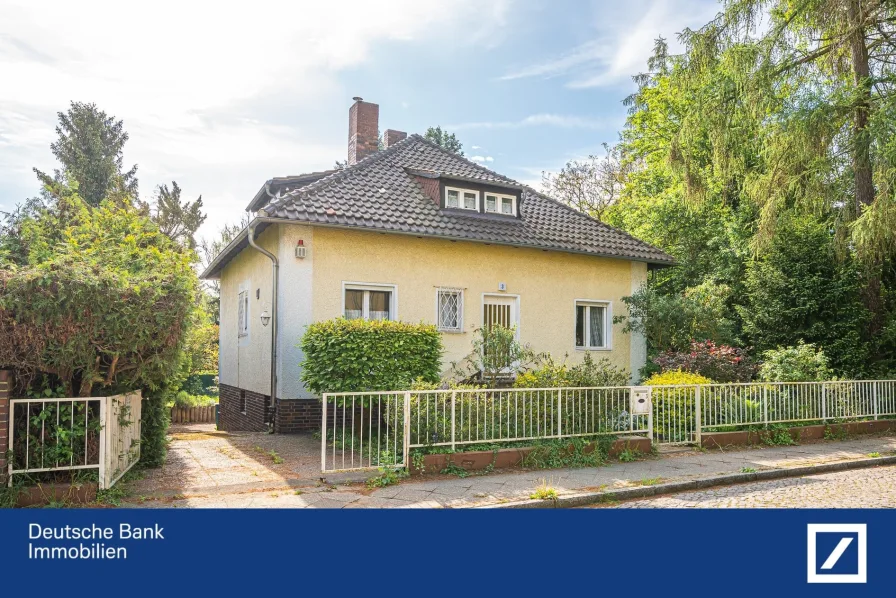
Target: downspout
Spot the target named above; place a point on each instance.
(275, 268)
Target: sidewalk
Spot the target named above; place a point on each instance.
(675, 471)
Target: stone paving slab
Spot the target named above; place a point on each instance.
(252, 480)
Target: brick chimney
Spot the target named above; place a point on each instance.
(391, 137)
(363, 130)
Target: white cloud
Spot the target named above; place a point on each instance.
(482, 159)
(624, 41)
(536, 120)
(217, 97)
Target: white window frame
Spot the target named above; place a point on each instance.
(460, 309)
(243, 304)
(460, 198)
(499, 198)
(608, 324)
(371, 286)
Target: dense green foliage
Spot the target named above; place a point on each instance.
(717, 362)
(360, 355)
(802, 363)
(96, 297)
(590, 373)
(763, 159)
(798, 290)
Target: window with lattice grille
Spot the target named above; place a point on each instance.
(450, 310)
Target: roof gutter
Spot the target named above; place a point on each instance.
(275, 268)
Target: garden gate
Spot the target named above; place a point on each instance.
(68, 434)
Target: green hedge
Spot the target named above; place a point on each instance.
(359, 355)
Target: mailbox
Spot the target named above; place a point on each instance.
(640, 400)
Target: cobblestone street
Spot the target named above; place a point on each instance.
(860, 488)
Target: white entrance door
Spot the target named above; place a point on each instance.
(500, 310)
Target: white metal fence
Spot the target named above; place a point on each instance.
(68, 434)
(379, 429)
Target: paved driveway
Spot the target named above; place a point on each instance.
(213, 469)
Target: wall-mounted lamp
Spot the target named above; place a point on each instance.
(265, 318)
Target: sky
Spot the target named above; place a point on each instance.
(223, 96)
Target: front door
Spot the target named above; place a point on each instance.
(500, 310)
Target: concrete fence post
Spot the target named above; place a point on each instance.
(6, 382)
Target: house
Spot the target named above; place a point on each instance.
(417, 233)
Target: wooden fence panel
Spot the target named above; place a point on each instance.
(193, 415)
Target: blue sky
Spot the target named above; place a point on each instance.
(221, 99)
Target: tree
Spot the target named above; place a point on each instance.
(592, 185)
(208, 250)
(178, 220)
(89, 147)
(798, 291)
(444, 139)
(95, 298)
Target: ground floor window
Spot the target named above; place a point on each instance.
(592, 325)
(370, 302)
(450, 305)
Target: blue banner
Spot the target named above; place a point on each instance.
(449, 553)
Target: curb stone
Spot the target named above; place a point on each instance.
(590, 498)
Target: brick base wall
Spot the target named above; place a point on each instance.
(5, 391)
(232, 419)
(293, 415)
(299, 415)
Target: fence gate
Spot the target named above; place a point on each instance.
(676, 414)
(68, 434)
(365, 430)
(122, 437)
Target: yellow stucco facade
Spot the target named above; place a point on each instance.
(545, 286)
(542, 286)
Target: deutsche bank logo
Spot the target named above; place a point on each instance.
(837, 552)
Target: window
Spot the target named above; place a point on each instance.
(243, 313)
(370, 302)
(243, 402)
(450, 316)
(464, 199)
(500, 204)
(592, 325)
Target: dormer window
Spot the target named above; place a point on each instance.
(500, 204)
(463, 199)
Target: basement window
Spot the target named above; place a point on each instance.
(462, 199)
(500, 204)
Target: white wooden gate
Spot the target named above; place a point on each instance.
(122, 437)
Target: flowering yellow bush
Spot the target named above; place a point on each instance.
(676, 377)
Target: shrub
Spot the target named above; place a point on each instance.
(99, 301)
(589, 373)
(184, 399)
(717, 362)
(802, 363)
(799, 288)
(670, 322)
(367, 355)
(676, 377)
(495, 350)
